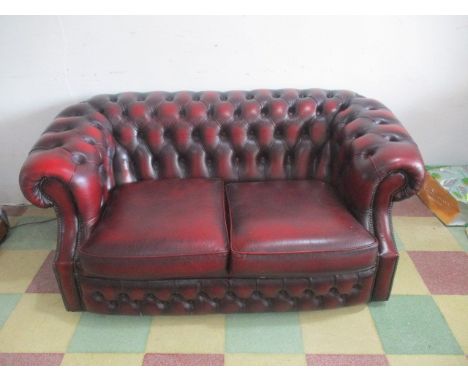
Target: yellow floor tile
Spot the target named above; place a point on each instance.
(18, 268)
(407, 278)
(102, 359)
(187, 334)
(427, 360)
(39, 323)
(265, 360)
(455, 311)
(352, 331)
(424, 234)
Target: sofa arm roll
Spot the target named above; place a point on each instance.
(369, 144)
(75, 150)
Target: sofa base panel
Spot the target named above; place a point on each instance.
(230, 295)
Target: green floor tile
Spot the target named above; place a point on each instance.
(263, 333)
(413, 325)
(8, 302)
(32, 236)
(398, 242)
(460, 236)
(110, 334)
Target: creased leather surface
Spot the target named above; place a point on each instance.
(294, 227)
(160, 229)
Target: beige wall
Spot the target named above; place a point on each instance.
(417, 66)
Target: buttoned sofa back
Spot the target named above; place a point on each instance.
(234, 136)
(335, 136)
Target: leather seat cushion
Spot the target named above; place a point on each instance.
(294, 227)
(160, 229)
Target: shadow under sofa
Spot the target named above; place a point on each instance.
(177, 203)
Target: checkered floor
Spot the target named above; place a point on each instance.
(424, 322)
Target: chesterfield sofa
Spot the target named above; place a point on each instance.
(200, 202)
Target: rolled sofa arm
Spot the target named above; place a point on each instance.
(374, 162)
(70, 168)
(76, 152)
(369, 145)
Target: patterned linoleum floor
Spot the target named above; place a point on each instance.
(424, 322)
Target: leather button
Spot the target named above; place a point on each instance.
(98, 297)
(78, 158)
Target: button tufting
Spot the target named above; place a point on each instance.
(344, 106)
(381, 122)
(231, 295)
(334, 291)
(213, 296)
(261, 160)
(392, 138)
(98, 296)
(318, 300)
(209, 162)
(196, 135)
(89, 140)
(278, 134)
(369, 153)
(167, 134)
(78, 158)
(182, 161)
(319, 109)
(162, 305)
(283, 294)
(123, 297)
(223, 134)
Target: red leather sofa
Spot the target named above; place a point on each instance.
(223, 202)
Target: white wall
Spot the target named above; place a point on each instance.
(417, 66)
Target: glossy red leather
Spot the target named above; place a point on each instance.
(352, 143)
(300, 227)
(160, 229)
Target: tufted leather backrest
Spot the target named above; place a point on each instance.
(262, 134)
(340, 137)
